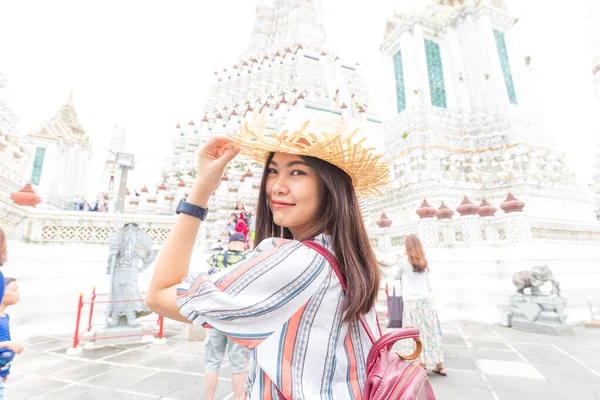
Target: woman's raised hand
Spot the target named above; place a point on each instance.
(212, 159)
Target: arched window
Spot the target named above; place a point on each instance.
(435, 72)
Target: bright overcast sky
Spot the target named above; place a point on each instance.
(147, 65)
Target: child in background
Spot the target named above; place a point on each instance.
(8, 348)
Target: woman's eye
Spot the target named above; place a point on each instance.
(297, 172)
(271, 171)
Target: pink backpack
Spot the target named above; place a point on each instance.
(389, 375)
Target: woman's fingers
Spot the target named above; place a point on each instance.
(219, 145)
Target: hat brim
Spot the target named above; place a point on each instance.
(369, 173)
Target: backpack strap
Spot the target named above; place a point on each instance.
(332, 260)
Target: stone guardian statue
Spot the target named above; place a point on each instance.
(130, 252)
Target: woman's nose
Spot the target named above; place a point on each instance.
(279, 186)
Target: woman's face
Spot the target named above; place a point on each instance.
(240, 206)
(295, 193)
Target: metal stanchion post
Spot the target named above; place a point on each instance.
(91, 309)
(79, 307)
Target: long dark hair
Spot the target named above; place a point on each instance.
(415, 253)
(340, 217)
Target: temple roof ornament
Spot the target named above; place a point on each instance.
(65, 125)
(467, 207)
(512, 204)
(486, 209)
(384, 221)
(444, 212)
(426, 211)
(26, 197)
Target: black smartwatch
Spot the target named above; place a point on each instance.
(191, 209)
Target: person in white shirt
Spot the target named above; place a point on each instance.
(419, 310)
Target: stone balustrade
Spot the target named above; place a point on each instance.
(507, 228)
(501, 230)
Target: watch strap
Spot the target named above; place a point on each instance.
(191, 209)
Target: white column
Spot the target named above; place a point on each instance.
(521, 74)
(420, 62)
(388, 85)
(82, 172)
(456, 70)
(410, 69)
(490, 64)
(472, 74)
(70, 173)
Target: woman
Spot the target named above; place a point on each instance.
(284, 302)
(240, 210)
(419, 311)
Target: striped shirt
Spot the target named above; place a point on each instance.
(284, 303)
(6, 355)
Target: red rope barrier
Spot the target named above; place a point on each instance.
(76, 337)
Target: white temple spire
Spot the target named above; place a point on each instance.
(280, 24)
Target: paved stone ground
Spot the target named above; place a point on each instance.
(483, 362)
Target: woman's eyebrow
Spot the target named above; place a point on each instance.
(291, 163)
(297, 162)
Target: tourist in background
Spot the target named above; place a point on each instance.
(216, 342)
(285, 302)
(419, 311)
(231, 224)
(241, 211)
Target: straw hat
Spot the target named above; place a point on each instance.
(324, 136)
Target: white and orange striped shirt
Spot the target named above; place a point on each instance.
(284, 302)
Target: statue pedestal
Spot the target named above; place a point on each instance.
(138, 331)
(538, 314)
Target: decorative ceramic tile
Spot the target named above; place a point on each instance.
(501, 46)
(400, 89)
(435, 71)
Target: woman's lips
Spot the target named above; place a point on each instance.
(281, 204)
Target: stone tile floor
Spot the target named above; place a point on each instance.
(483, 362)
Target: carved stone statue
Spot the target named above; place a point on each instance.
(537, 312)
(129, 253)
(534, 279)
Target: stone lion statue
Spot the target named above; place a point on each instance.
(534, 279)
